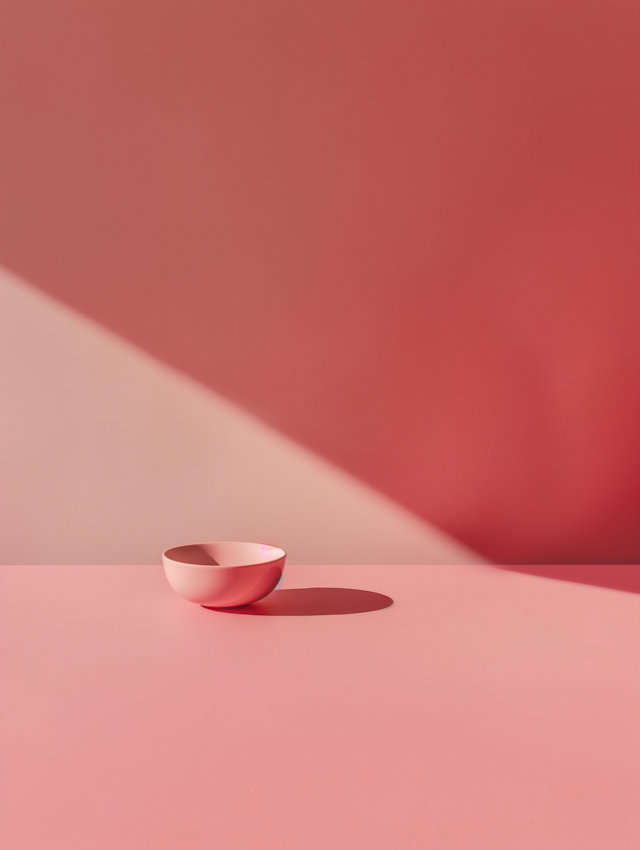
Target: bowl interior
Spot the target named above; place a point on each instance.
(225, 554)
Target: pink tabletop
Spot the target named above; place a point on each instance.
(483, 709)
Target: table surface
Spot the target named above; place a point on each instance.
(482, 709)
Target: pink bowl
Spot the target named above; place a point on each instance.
(223, 575)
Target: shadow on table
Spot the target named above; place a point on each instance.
(616, 576)
(313, 602)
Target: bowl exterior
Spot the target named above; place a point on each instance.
(223, 587)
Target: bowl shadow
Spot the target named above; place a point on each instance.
(312, 602)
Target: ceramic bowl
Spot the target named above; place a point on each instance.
(223, 575)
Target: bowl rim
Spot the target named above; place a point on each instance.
(167, 556)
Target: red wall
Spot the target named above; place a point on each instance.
(405, 233)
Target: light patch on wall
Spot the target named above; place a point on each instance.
(109, 456)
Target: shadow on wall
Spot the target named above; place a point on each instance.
(624, 577)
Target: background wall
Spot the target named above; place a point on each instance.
(403, 234)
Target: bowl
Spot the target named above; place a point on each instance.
(223, 575)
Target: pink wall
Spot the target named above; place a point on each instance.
(405, 234)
